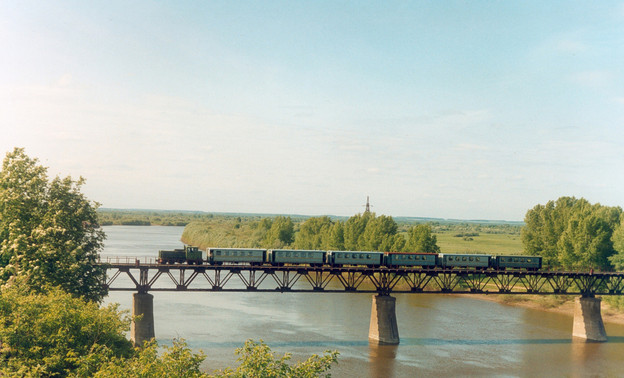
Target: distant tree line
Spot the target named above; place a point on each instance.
(363, 232)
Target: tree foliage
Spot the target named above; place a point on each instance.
(177, 361)
(56, 334)
(572, 233)
(281, 233)
(257, 360)
(421, 239)
(48, 229)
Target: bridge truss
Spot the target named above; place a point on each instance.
(381, 280)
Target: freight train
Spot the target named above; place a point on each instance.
(315, 258)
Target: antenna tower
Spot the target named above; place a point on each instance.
(367, 205)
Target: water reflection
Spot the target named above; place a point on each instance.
(382, 359)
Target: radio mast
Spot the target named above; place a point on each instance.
(367, 206)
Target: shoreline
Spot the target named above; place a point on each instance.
(535, 302)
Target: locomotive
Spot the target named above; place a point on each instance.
(316, 258)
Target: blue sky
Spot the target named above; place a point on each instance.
(454, 109)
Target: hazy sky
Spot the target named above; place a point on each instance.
(467, 109)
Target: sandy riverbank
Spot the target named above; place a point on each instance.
(561, 305)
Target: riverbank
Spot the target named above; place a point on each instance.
(557, 304)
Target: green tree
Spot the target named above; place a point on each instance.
(571, 233)
(48, 230)
(314, 233)
(421, 239)
(336, 238)
(353, 228)
(380, 234)
(617, 259)
(177, 361)
(55, 334)
(280, 234)
(257, 360)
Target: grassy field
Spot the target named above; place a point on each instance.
(495, 244)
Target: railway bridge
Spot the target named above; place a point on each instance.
(145, 276)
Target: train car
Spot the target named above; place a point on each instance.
(340, 258)
(193, 255)
(517, 262)
(411, 259)
(252, 256)
(171, 257)
(446, 260)
(292, 256)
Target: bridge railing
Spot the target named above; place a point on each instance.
(130, 260)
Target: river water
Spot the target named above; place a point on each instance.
(441, 335)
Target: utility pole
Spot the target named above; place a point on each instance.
(367, 206)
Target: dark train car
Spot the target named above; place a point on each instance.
(172, 257)
(340, 258)
(449, 261)
(292, 256)
(252, 256)
(411, 259)
(517, 262)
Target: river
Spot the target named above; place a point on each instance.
(441, 335)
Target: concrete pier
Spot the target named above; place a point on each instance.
(383, 323)
(588, 324)
(142, 328)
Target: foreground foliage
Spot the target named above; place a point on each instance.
(55, 334)
(257, 360)
(48, 229)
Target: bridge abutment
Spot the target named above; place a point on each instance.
(588, 323)
(142, 326)
(383, 323)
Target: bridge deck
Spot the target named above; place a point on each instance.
(149, 276)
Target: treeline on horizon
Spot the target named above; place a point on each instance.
(360, 232)
(568, 233)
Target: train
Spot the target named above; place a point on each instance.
(316, 258)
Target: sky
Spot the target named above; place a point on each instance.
(446, 109)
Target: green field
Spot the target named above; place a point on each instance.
(495, 244)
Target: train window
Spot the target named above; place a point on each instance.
(529, 260)
(218, 253)
(471, 258)
(368, 256)
(478, 258)
(362, 256)
(450, 258)
(464, 258)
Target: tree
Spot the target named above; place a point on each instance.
(55, 334)
(257, 360)
(49, 231)
(380, 234)
(421, 239)
(177, 361)
(571, 233)
(280, 234)
(314, 233)
(353, 228)
(617, 259)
